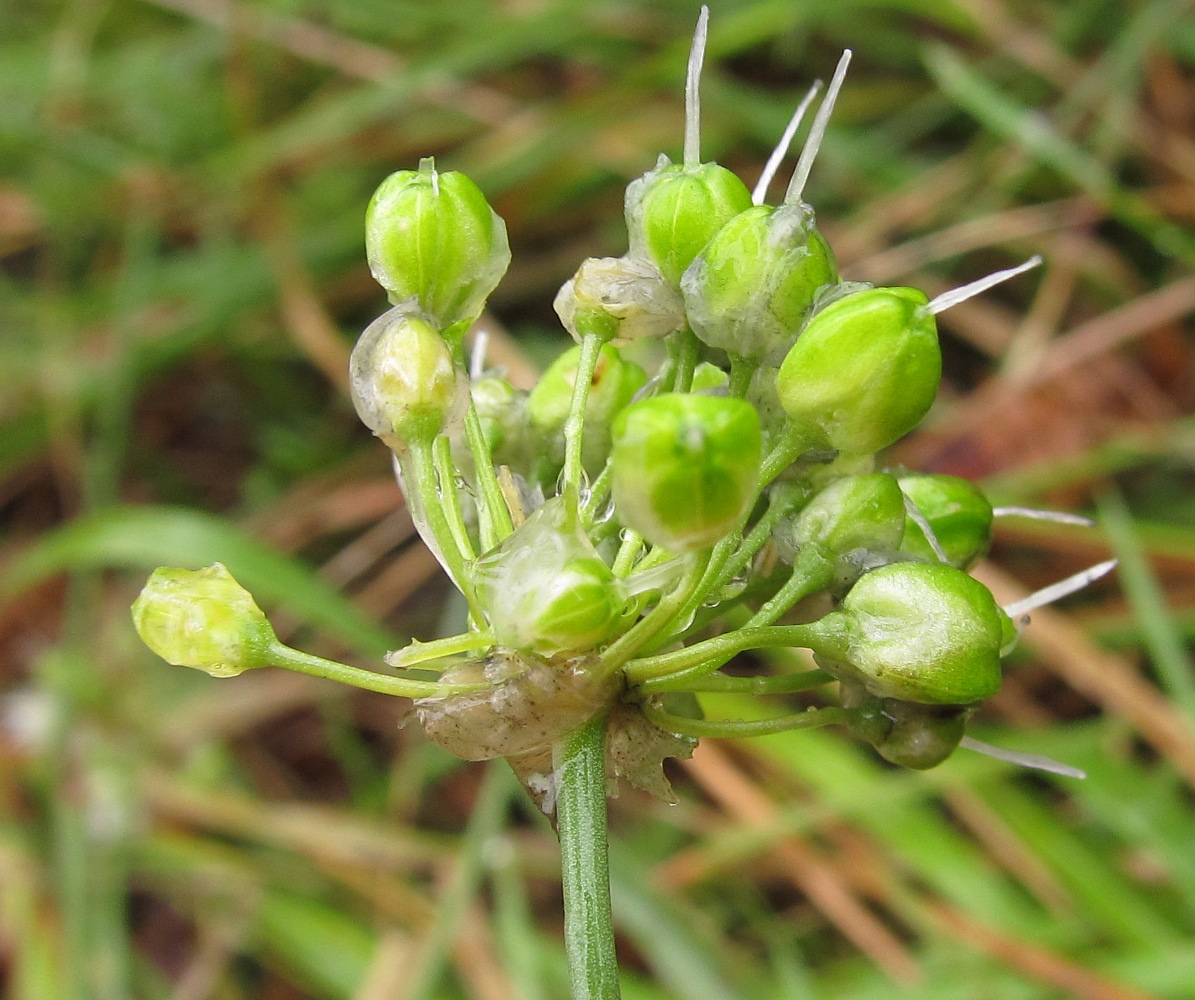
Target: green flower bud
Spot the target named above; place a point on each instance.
(864, 370)
(919, 632)
(203, 619)
(908, 734)
(751, 288)
(433, 238)
(685, 468)
(620, 299)
(921, 737)
(854, 512)
(958, 514)
(854, 524)
(674, 210)
(615, 382)
(499, 411)
(707, 376)
(545, 589)
(403, 380)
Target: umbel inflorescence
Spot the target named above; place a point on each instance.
(697, 477)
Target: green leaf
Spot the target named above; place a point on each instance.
(679, 957)
(326, 949)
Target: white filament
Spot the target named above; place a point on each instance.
(781, 150)
(693, 91)
(1033, 514)
(481, 341)
(1033, 761)
(817, 132)
(957, 295)
(428, 166)
(1059, 590)
(922, 522)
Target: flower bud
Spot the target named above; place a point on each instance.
(615, 382)
(751, 288)
(545, 589)
(203, 619)
(499, 411)
(685, 468)
(403, 380)
(620, 299)
(922, 736)
(958, 514)
(674, 210)
(854, 524)
(919, 632)
(433, 238)
(709, 378)
(907, 734)
(864, 370)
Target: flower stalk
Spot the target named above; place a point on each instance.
(580, 772)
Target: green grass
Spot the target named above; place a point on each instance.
(181, 278)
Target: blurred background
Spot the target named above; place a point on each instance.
(181, 279)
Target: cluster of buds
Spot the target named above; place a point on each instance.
(706, 453)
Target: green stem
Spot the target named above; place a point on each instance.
(811, 718)
(580, 763)
(764, 684)
(316, 666)
(687, 348)
(447, 472)
(667, 610)
(628, 552)
(599, 495)
(741, 371)
(706, 656)
(493, 515)
(781, 503)
(732, 553)
(424, 482)
(710, 580)
(811, 572)
(591, 345)
(792, 444)
(421, 652)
